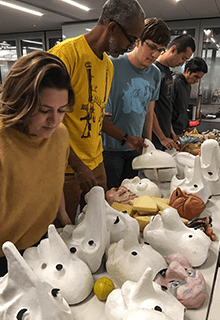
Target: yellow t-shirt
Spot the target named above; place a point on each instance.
(91, 80)
(31, 183)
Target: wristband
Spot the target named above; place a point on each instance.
(124, 139)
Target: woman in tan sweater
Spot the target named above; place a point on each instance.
(34, 148)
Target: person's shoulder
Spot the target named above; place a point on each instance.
(178, 77)
(177, 74)
(154, 69)
(120, 59)
(70, 42)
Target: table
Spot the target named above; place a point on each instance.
(93, 309)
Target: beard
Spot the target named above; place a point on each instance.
(113, 47)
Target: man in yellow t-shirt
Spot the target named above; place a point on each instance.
(91, 71)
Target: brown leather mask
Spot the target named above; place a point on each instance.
(188, 206)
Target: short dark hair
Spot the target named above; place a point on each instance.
(182, 43)
(122, 11)
(156, 29)
(196, 64)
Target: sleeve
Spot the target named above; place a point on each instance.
(156, 93)
(174, 97)
(65, 52)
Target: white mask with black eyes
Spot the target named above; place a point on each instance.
(141, 187)
(53, 262)
(134, 296)
(145, 314)
(118, 222)
(157, 165)
(128, 259)
(90, 237)
(167, 234)
(24, 297)
(194, 182)
(210, 164)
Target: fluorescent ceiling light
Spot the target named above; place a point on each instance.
(31, 41)
(75, 4)
(10, 5)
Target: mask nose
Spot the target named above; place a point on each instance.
(176, 270)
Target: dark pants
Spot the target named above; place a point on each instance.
(118, 166)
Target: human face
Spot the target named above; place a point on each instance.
(147, 53)
(51, 112)
(193, 77)
(123, 39)
(178, 59)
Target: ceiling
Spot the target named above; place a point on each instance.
(56, 13)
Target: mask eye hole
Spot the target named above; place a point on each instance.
(91, 242)
(54, 292)
(73, 249)
(59, 266)
(21, 313)
(158, 308)
(117, 220)
(191, 273)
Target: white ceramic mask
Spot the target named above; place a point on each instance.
(156, 164)
(141, 187)
(118, 222)
(24, 296)
(53, 262)
(210, 164)
(194, 182)
(144, 294)
(90, 237)
(128, 259)
(167, 234)
(145, 314)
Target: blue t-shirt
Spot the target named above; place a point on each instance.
(131, 91)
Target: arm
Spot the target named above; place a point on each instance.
(175, 138)
(149, 118)
(84, 175)
(166, 142)
(62, 216)
(133, 142)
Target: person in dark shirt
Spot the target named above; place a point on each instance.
(194, 70)
(178, 51)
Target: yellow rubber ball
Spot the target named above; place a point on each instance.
(103, 287)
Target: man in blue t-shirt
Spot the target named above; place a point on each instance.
(135, 87)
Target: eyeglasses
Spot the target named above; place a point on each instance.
(154, 49)
(132, 42)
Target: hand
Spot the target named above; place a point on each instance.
(84, 175)
(136, 143)
(169, 143)
(86, 178)
(175, 137)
